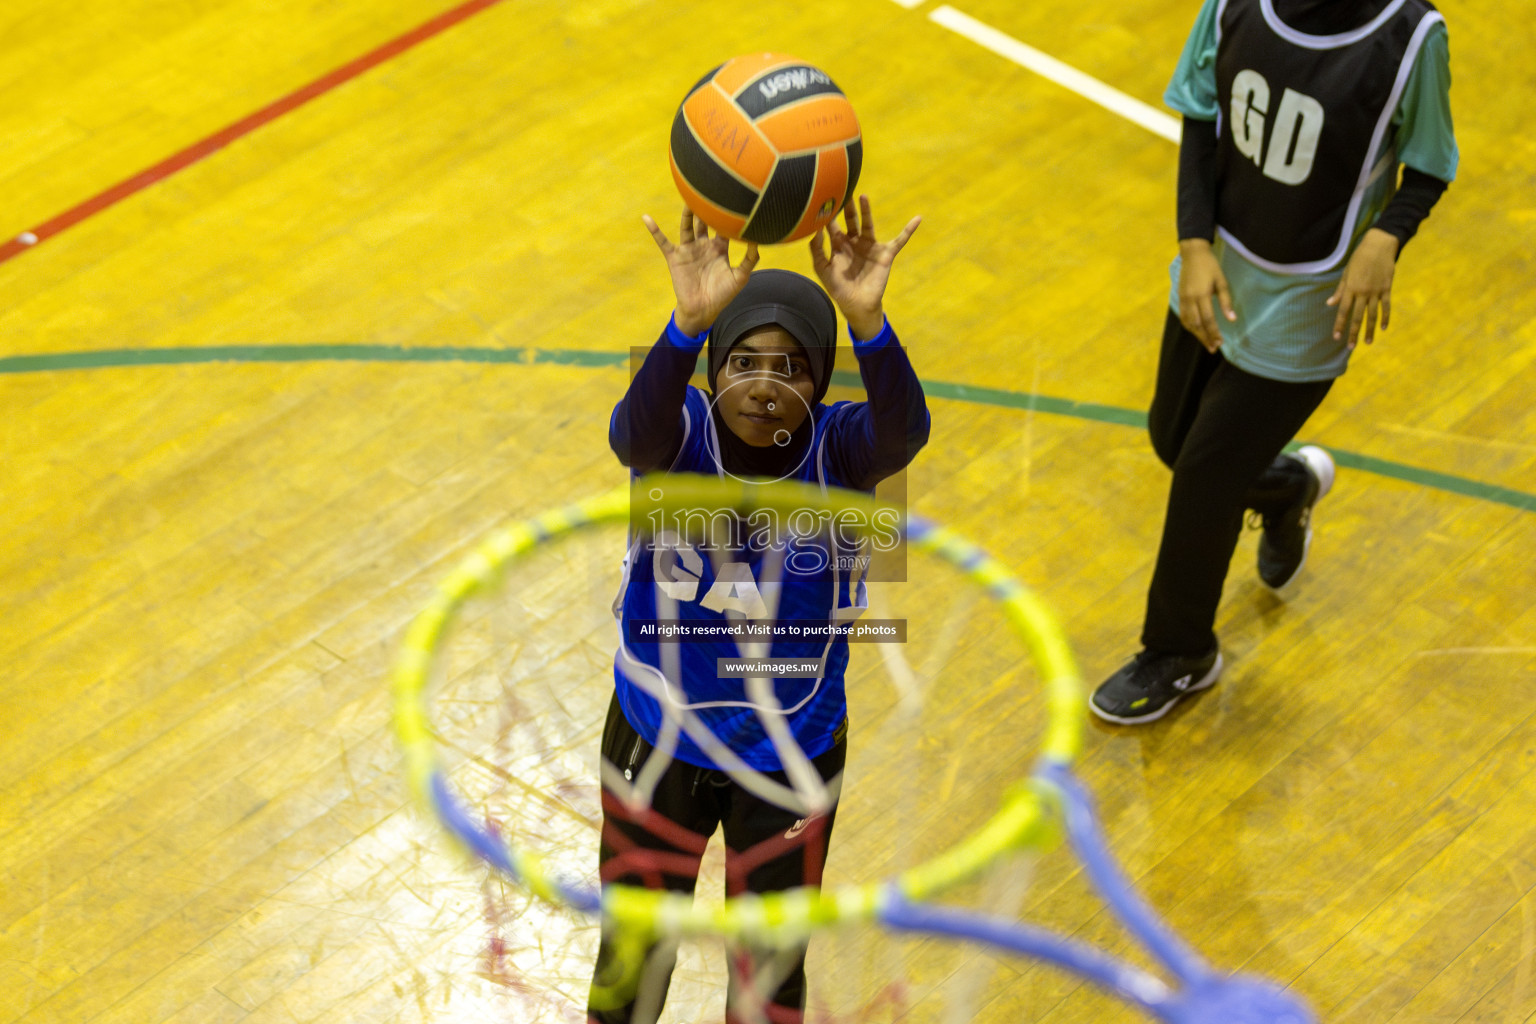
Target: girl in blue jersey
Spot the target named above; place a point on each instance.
(771, 339)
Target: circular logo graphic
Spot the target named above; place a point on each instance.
(781, 437)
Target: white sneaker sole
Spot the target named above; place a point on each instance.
(1205, 682)
(1321, 464)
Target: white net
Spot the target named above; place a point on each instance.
(940, 727)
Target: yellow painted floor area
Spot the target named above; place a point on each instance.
(207, 566)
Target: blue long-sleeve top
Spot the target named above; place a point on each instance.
(866, 441)
(664, 424)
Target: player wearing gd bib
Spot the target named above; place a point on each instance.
(1297, 114)
(772, 343)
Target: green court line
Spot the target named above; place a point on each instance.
(106, 358)
(111, 357)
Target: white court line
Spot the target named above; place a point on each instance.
(1108, 97)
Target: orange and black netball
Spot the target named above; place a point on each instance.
(766, 148)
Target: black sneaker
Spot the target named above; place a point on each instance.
(1148, 686)
(1283, 547)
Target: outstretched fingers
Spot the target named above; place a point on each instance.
(906, 233)
(818, 250)
(656, 233)
(748, 260)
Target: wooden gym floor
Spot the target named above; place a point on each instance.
(229, 484)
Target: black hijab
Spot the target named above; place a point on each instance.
(798, 305)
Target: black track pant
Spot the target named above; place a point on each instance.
(1220, 430)
(767, 849)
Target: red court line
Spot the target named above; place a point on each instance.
(219, 139)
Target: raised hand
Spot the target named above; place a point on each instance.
(858, 268)
(702, 276)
